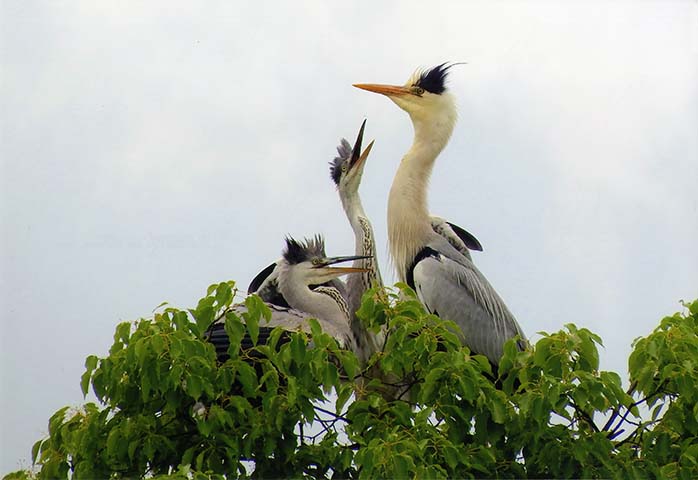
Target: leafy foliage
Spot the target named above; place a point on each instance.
(167, 408)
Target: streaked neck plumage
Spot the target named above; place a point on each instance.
(299, 296)
(409, 227)
(358, 283)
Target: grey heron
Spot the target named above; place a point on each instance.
(346, 170)
(444, 278)
(302, 264)
(266, 285)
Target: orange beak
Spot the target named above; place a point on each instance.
(389, 90)
(346, 269)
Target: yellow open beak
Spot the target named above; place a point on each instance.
(364, 155)
(346, 269)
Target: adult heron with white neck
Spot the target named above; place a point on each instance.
(444, 278)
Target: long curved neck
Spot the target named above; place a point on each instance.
(365, 245)
(358, 283)
(409, 226)
(299, 296)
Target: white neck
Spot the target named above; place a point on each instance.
(351, 203)
(358, 283)
(409, 226)
(301, 297)
(364, 240)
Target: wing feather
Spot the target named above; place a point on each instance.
(458, 237)
(457, 291)
(289, 319)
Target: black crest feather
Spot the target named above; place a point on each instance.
(298, 252)
(434, 79)
(344, 154)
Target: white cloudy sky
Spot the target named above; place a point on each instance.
(151, 149)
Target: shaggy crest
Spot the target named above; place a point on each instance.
(344, 151)
(297, 252)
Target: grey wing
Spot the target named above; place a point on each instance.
(458, 237)
(266, 285)
(457, 291)
(287, 318)
(297, 321)
(262, 277)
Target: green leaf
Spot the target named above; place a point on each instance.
(403, 413)
(292, 390)
(343, 395)
(188, 456)
(145, 387)
(180, 320)
(400, 466)
(161, 305)
(431, 383)
(123, 332)
(451, 456)
(194, 386)
(498, 409)
(158, 344)
(205, 427)
(56, 421)
(116, 444)
(330, 376)
(542, 351)
(36, 448)
(85, 382)
(252, 320)
(141, 349)
(224, 295)
(315, 329)
(91, 362)
(258, 308)
(298, 347)
(248, 378)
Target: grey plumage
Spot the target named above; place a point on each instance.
(290, 319)
(458, 237)
(450, 286)
(302, 264)
(266, 285)
(437, 266)
(346, 171)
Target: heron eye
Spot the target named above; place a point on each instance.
(316, 261)
(419, 91)
(344, 167)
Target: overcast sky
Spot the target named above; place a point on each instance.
(150, 149)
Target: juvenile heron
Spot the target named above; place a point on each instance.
(445, 279)
(266, 285)
(346, 171)
(303, 264)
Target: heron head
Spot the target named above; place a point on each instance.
(423, 95)
(348, 167)
(307, 262)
